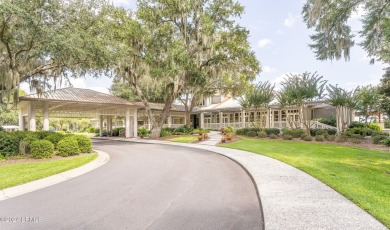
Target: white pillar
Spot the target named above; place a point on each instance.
(100, 125)
(149, 125)
(127, 123)
(135, 123)
(46, 122)
(21, 120)
(109, 125)
(169, 121)
(243, 118)
(220, 120)
(201, 120)
(31, 116)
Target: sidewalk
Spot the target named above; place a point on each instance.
(291, 199)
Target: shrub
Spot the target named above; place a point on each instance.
(342, 138)
(54, 138)
(1, 128)
(68, 146)
(328, 121)
(240, 132)
(331, 137)
(84, 143)
(229, 129)
(313, 132)
(116, 131)
(25, 145)
(262, 134)
(322, 132)
(164, 133)
(386, 141)
(9, 144)
(377, 139)
(251, 134)
(143, 131)
(303, 136)
(356, 124)
(287, 137)
(319, 138)
(181, 129)
(375, 127)
(355, 140)
(273, 136)
(43, 134)
(308, 138)
(296, 133)
(42, 149)
(272, 131)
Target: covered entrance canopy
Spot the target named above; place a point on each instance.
(77, 103)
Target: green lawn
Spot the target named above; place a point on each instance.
(16, 174)
(184, 138)
(361, 175)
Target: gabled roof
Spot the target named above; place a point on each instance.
(71, 94)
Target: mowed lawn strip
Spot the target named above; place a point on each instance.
(184, 138)
(361, 175)
(16, 174)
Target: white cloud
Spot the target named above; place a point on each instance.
(264, 42)
(280, 32)
(290, 20)
(122, 2)
(267, 69)
(279, 79)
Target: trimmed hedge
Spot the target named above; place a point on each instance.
(25, 144)
(262, 134)
(9, 144)
(54, 138)
(287, 137)
(270, 131)
(378, 139)
(319, 138)
(273, 136)
(42, 149)
(313, 132)
(84, 143)
(295, 133)
(251, 134)
(68, 147)
(308, 138)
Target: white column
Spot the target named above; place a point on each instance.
(31, 116)
(21, 120)
(46, 122)
(149, 124)
(243, 118)
(127, 123)
(220, 120)
(201, 120)
(135, 123)
(169, 121)
(100, 125)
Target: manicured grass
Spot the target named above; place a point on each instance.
(16, 174)
(361, 175)
(184, 138)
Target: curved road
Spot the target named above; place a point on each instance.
(144, 186)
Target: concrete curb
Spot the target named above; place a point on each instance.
(18, 190)
(290, 198)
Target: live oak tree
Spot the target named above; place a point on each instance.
(333, 36)
(301, 90)
(180, 45)
(368, 102)
(384, 93)
(45, 41)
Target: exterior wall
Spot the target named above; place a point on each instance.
(325, 112)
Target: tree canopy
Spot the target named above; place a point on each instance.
(333, 36)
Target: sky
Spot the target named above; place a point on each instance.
(280, 39)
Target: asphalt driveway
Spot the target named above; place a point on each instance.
(143, 186)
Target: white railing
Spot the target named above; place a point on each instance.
(173, 125)
(319, 125)
(276, 124)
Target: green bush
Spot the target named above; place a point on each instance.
(1, 128)
(270, 131)
(308, 138)
(229, 129)
(25, 144)
(328, 121)
(42, 149)
(322, 132)
(84, 143)
(143, 131)
(356, 124)
(91, 130)
(116, 131)
(296, 133)
(342, 138)
(386, 141)
(262, 134)
(240, 132)
(251, 134)
(273, 136)
(355, 140)
(378, 138)
(319, 138)
(303, 137)
(287, 137)
(313, 132)
(375, 127)
(181, 129)
(43, 134)
(164, 133)
(54, 138)
(332, 137)
(68, 146)
(9, 144)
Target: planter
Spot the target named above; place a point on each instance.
(200, 137)
(205, 136)
(223, 140)
(229, 136)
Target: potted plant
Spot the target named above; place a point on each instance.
(229, 136)
(142, 132)
(200, 137)
(205, 136)
(223, 139)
